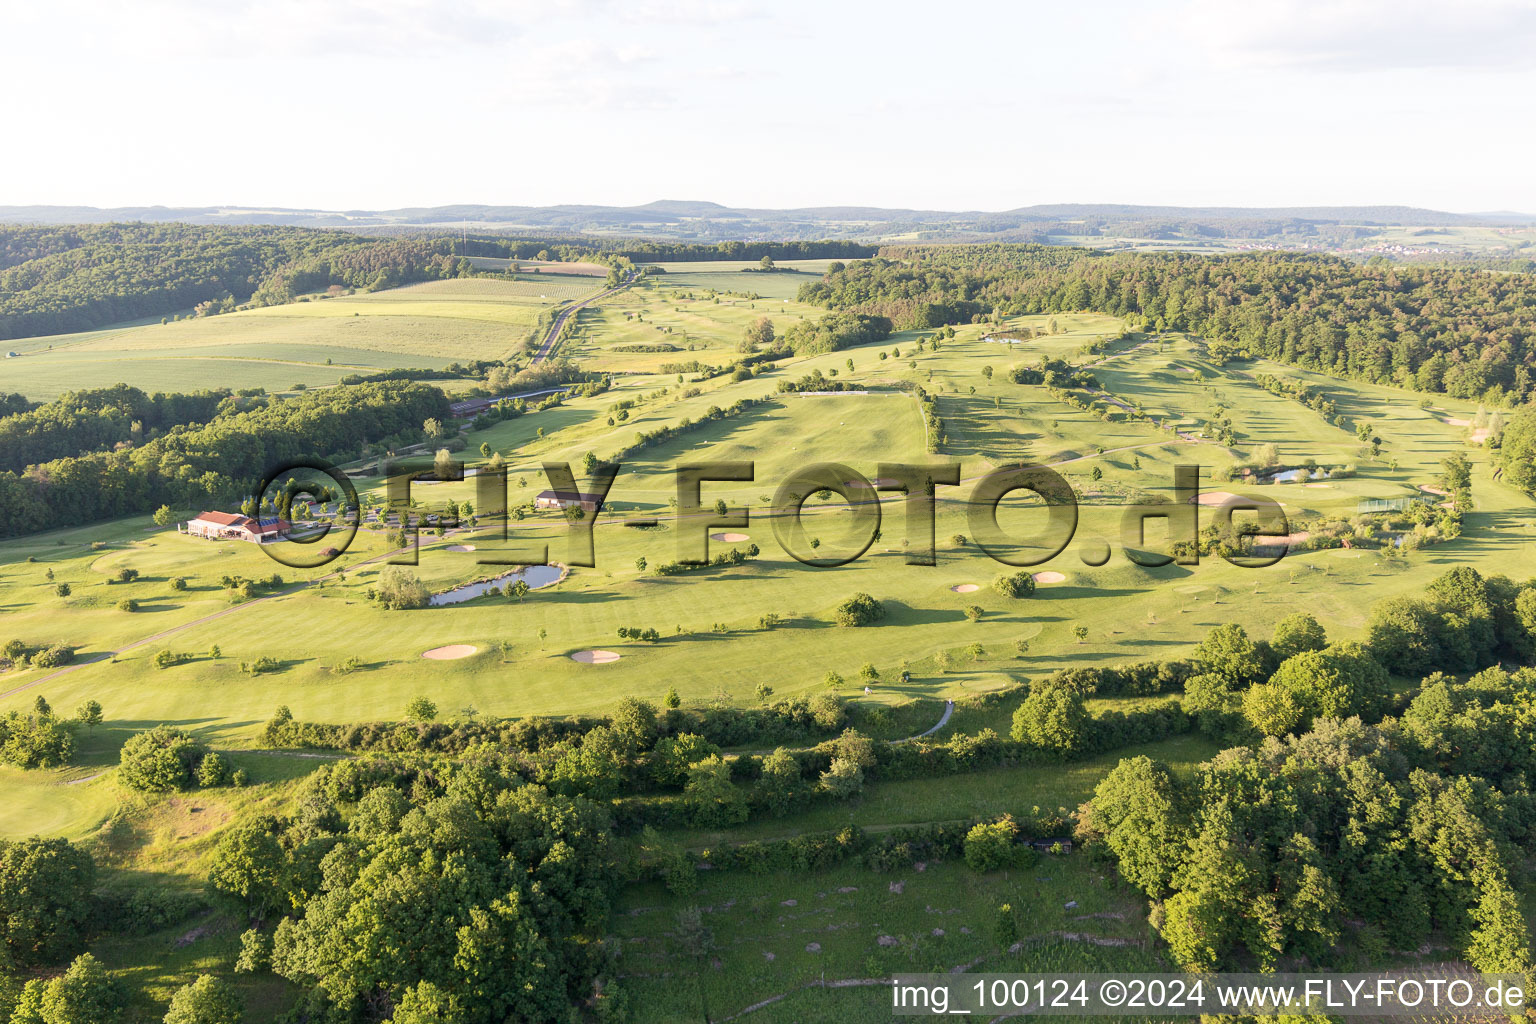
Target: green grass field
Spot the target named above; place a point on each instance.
(1131, 613)
(427, 325)
(787, 934)
(699, 315)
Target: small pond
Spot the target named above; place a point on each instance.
(535, 576)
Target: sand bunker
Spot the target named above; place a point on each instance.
(1431, 490)
(965, 588)
(450, 652)
(595, 657)
(459, 547)
(729, 538)
(1049, 577)
(1319, 485)
(1218, 498)
(1456, 421)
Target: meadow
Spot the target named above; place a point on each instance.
(314, 342)
(785, 936)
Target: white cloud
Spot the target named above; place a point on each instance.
(967, 105)
(1366, 35)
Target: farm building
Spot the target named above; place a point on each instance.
(224, 526)
(471, 407)
(569, 499)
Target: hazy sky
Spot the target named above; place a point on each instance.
(955, 105)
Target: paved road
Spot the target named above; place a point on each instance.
(570, 311)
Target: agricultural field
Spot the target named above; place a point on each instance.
(314, 343)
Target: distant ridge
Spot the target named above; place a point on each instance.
(701, 221)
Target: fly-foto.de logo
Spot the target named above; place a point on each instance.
(906, 492)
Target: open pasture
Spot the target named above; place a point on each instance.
(779, 937)
(540, 268)
(314, 343)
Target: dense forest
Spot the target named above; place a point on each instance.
(1345, 820)
(104, 418)
(222, 461)
(55, 280)
(648, 250)
(60, 279)
(1465, 332)
(644, 251)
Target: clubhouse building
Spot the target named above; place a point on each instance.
(568, 499)
(224, 526)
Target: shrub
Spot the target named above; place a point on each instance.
(990, 845)
(38, 740)
(401, 589)
(255, 952)
(260, 665)
(53, 657)
(843, 777)
(167, 659)
(1015, 585)
(712, 799)
(208, 1000)
(1053, 719)
(137, 910)
(127, 604)
(159, 760)
(212, 770)
(859, 610)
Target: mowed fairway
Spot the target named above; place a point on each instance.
(693, 312)
(313, 343)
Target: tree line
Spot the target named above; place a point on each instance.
(55, 280)
(1462, 331)
(220, 462)
(1351, 821)
(97, 420)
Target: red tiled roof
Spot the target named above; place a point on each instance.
(243, 522)
(222, 519)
